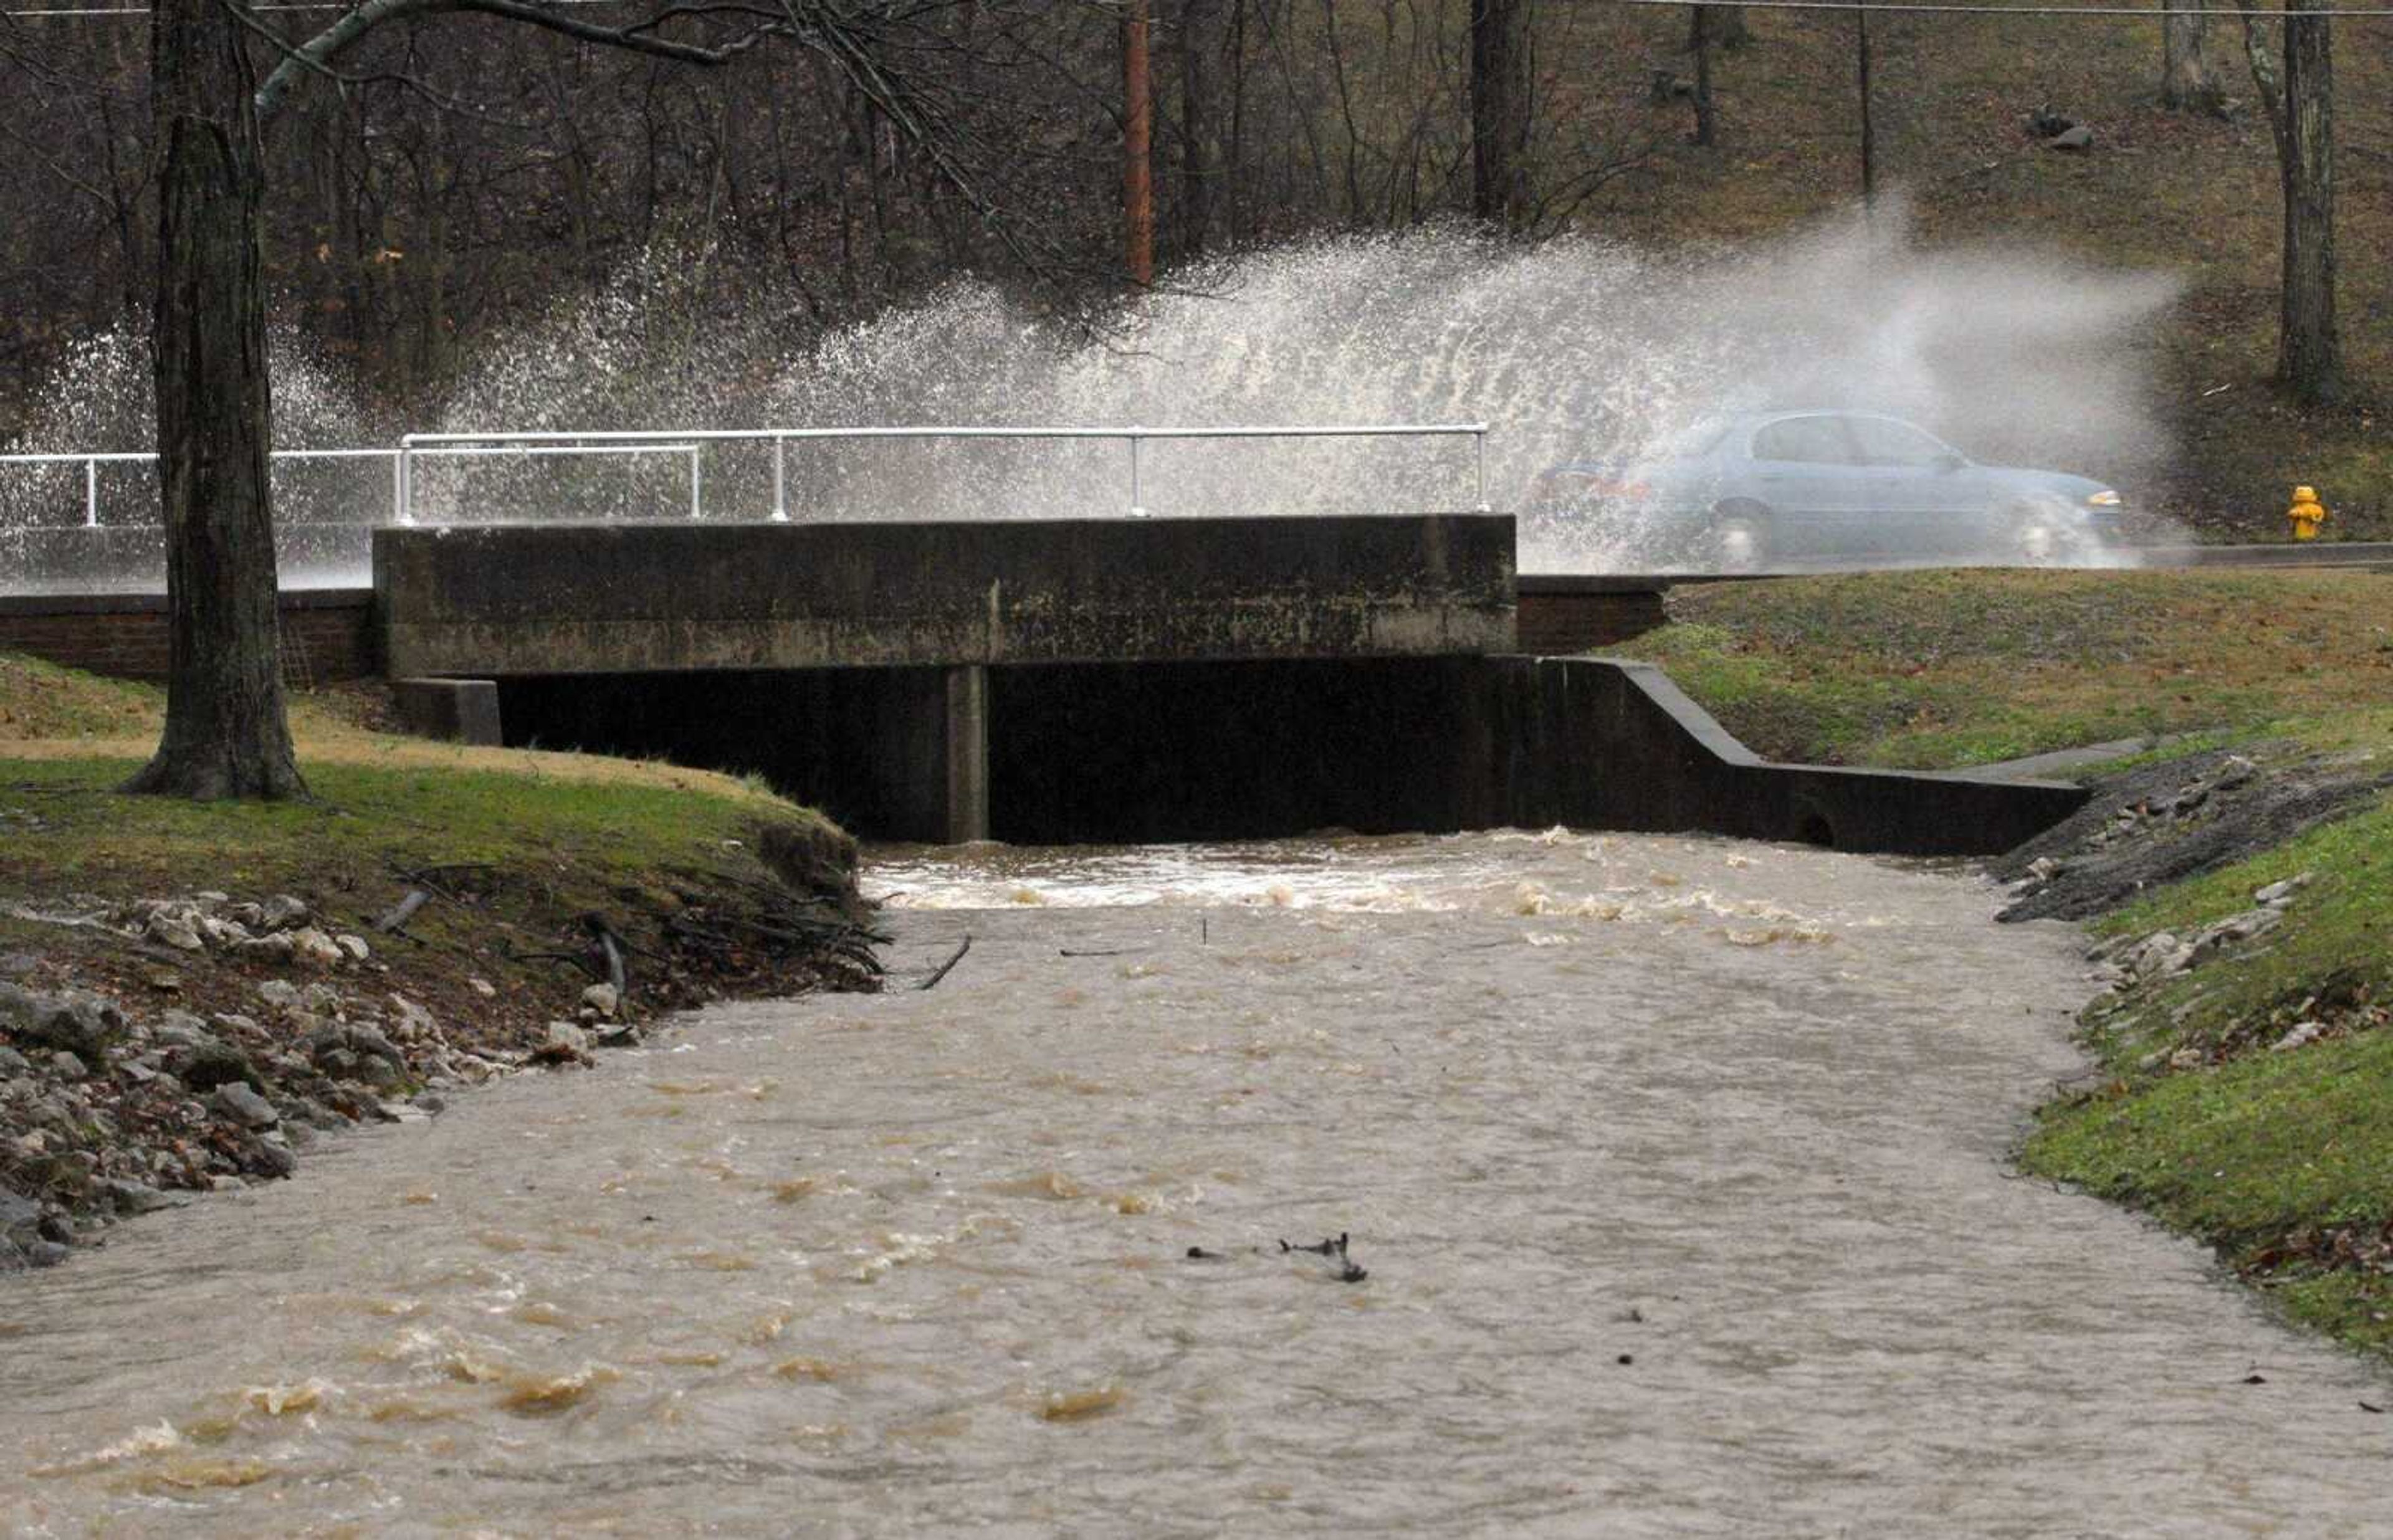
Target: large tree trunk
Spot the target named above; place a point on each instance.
(2187, 82)
(2300, 104)
(2311, 351)
(226, 734)
(1499, 111)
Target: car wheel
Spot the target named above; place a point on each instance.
(1740, 541)
(2047, 533)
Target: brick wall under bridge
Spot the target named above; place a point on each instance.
(328, 636)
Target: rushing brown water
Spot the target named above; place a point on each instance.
(1675, 1166)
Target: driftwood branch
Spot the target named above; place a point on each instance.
(935, 978)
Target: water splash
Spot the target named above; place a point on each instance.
(1575, 348)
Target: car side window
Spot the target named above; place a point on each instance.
(1807, 441)
(1883, 441)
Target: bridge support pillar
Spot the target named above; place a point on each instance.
(967, 753)
(933, 749)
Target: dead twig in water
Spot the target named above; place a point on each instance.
(935, 978)
(1335, 1251)
(1103, 951)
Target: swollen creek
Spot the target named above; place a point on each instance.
(1677, 1167)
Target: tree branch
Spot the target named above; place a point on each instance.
(316, 55)
(2265, 76)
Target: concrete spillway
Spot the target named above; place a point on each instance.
(1111, 681)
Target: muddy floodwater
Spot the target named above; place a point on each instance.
(1675, 1169)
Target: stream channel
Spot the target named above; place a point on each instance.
(1676, 1168)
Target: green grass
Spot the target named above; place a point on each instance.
(362, 819)
(526, 842)
(1942, 670)
(42, 700)
(2264, 1157)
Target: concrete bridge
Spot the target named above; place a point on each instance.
(1109, 681)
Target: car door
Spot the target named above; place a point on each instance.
(1802, 468)
(1924, 497)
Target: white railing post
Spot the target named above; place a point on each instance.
(1480, 437)
(1137, 501)
(694, 506)
(91, 493)
(781, 479)
(406, 481)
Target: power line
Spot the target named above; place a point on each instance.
(1899, 7)
(1928, 8)
(279, 5)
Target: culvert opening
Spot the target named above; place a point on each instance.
(1121, 753)
(1077, 753)
(1815, 829)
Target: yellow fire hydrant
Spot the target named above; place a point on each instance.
(2307, 514)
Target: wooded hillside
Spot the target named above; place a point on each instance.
(469, 172)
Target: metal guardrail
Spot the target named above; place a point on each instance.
(91, 461)
(691, 442)
(1135, 437)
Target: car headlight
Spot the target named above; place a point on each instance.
(2106, 498)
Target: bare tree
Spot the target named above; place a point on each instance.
(2299, 97)
(1499, 110)
(1194, 206)
(2187, 82)
(226, 735)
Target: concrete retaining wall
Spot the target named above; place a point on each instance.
(1600, 743)
(122, 634)
(562, 599)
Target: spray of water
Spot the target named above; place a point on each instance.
(1573, 349)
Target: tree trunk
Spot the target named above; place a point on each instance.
(1138, 131)
(1197, 88)
(1862, 85)
(2309, 354)
(2300, 104)
(1722, 26)
(2187, 82)
(1700, 27)
(1499, 111)
(226, 734)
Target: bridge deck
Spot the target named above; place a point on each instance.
(546, 599)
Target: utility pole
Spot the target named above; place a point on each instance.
(1869, 137)
(1138, 135)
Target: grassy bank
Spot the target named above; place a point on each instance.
(2246, 1098)
(1940, 670)
(518, 865)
